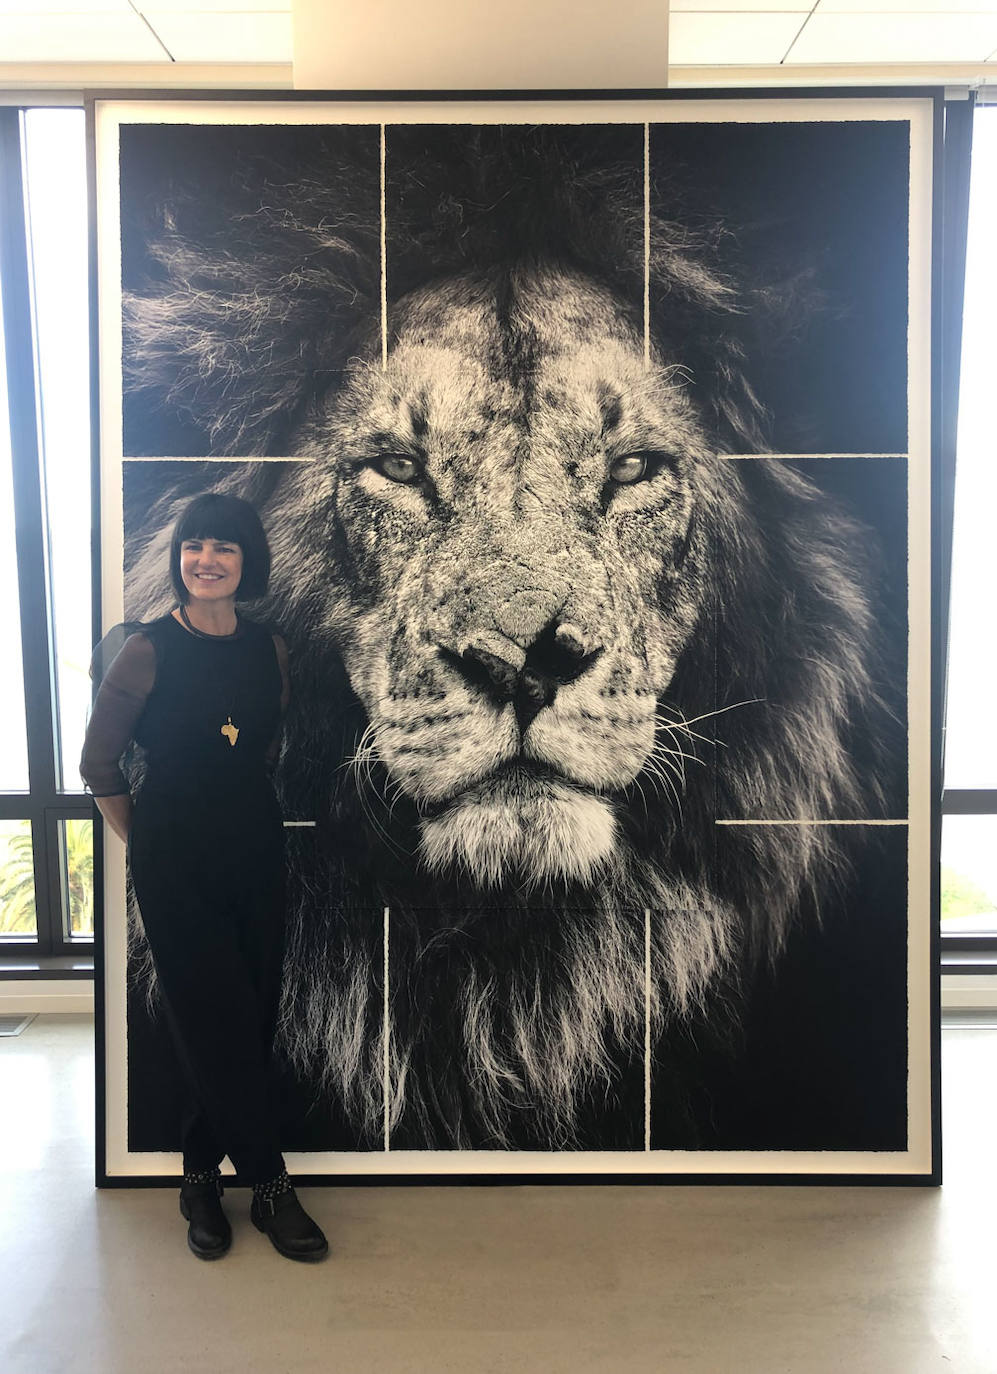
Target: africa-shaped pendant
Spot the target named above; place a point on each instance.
(230, 731)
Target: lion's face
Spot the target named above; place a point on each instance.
(515, 497)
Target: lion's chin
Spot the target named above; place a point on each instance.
(518, 828)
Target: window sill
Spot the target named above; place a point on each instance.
(31, 966)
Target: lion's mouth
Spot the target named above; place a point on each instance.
(516, 778)
(520, 823)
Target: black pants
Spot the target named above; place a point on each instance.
(209, 879)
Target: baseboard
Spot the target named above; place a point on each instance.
(46, 995)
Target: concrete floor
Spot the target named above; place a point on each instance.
(429, 1280)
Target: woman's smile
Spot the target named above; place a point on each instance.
(210, 567)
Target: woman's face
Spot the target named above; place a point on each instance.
(210, 568)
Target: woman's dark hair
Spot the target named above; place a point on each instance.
(214, 516)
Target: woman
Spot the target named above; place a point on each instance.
(202, 691)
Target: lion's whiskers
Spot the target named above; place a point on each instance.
(643, 796)
(393, 789)
(361, 764)
(667, 775)
(665, 765)
(679, 728)
(683, 723)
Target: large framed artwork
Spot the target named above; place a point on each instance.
(593, 439)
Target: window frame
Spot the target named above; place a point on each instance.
(969, 953)
(44, 804)
(963, 953)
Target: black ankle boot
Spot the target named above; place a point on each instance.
(209, 1235)
(291, 1230)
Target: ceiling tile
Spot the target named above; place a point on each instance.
(151, 8)
(741, 6)
(52, 10)
(879, 38)
(906, 7)
(48, 37)
(225, 37)
(717, 40)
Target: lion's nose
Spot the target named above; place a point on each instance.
(560, 653)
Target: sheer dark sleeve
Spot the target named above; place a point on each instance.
(119, 703)
(283, 662)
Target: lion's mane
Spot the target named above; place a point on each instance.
(515, 1016)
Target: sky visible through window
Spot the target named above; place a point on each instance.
(969, 843)
(13, 743)
(57, 211)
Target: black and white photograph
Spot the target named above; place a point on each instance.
(591, 453)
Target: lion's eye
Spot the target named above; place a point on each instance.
(630, 469)
(397, 468)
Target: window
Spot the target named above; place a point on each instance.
(46, 832)
(46, 853)
(969, 826)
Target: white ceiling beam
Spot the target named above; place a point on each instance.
(479, 44)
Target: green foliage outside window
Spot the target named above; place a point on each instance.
(78, 859)
(18, 916)
(17, 880)
(961, 896)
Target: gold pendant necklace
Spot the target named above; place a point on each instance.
(230, 731)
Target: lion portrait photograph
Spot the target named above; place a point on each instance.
(582, 449)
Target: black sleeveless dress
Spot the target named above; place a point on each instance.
(206, 861)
